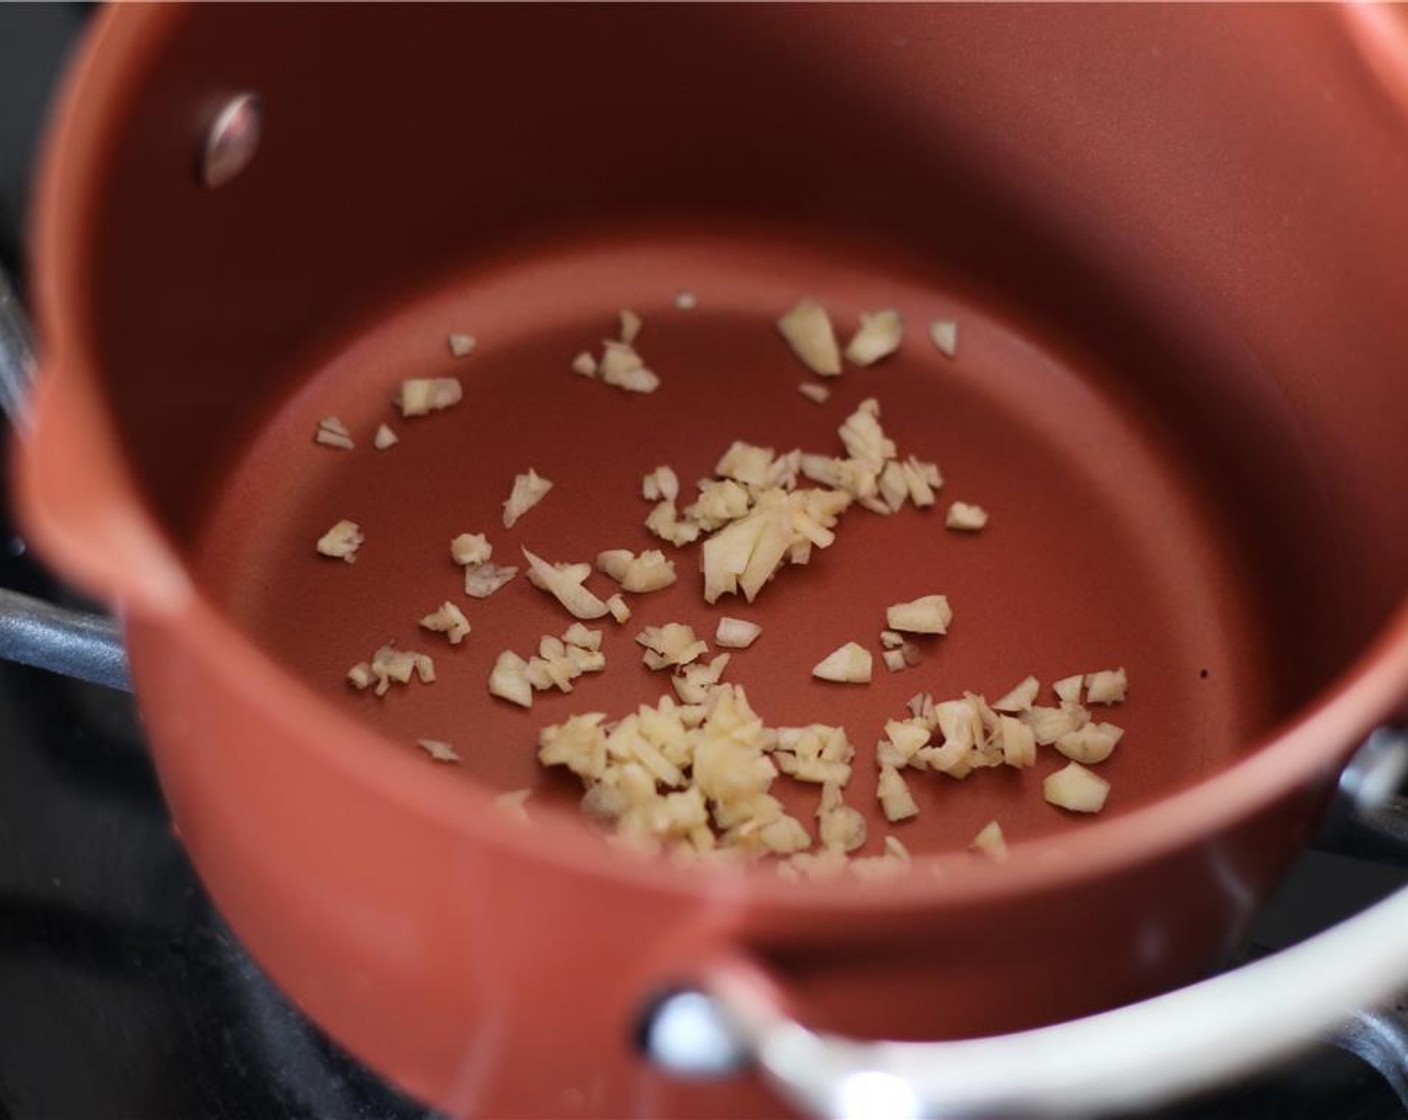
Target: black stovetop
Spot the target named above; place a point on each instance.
(123, 994)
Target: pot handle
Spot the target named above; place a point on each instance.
(72, 642)
(1132, 1058)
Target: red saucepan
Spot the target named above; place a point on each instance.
(1173, 239)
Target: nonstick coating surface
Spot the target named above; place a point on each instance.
(1099, 551)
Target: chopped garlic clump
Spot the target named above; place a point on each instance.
(558, 662)
(674, 643)
(389, 666)
(449, 620)
(622, 367)
(712, 761)
(650, 571)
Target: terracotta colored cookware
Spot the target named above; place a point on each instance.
(1173, 239)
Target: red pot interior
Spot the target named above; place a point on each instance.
(1168, 392)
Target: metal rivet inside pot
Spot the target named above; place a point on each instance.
(232, 140)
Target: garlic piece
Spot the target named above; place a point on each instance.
(580, 636)
(528, 490)
(332, 432)
(736, 633)
(893, 486)
(922, 479)
(482, 580)
(566, 589)
(879, 335)
(818, 394)
(650, 571)
(1075, 788)
(342, 541)
(838, 825)
(449, 620)
(622, 367)
(693, 684)
(438, 750)
(1068, 689)
(618, 608)
(384, 437)
(509, 679)
(579, 744)
(990, 842)
(1106, 686)
(807, 329)
(584, 364)
(471, 548)
(944, 335)
(674, 643)
(660, 484)
(631, 324)
(965, 517)
(929, 614)
(850, 664)
(1018, 742)
(664, 521)
(893, 794)
(419, 396)
(389, 666)
(1049, 724)
(894, 660)
(1020, 696)
(908, 737)
(1091, 743)
(745, 463)
(461, 345)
